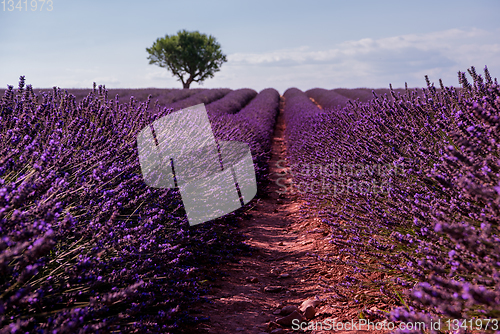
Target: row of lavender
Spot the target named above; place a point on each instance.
(328, 99)
(85, 245)
(340, 97)
(253, 124)
(164, 96)
(410, 188)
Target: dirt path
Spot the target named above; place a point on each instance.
(316, 103)
(282, 270)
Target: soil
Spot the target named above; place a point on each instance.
(316, 103)
(287, 240)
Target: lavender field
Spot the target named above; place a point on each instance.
(406, 181)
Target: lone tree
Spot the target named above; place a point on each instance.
(188, 53)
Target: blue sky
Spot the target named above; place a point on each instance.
(272, 43)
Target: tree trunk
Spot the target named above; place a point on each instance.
(186, 85)
(189, 81)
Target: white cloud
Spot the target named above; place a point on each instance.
(370, 62)
(441, 42)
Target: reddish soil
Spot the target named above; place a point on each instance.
(316, 103)
(283, 238)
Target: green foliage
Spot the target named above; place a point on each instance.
(191, 54)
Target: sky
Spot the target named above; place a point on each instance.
(272, 43)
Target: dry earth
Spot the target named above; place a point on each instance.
(281, 271)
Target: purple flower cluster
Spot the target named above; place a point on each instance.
(434, 234)
(85, 245)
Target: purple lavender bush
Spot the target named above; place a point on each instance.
(206, 96)
(338, 98)
(254, 125)
(233, 102)
(327, 99)
(300, 116)
(162, 95)
(162, 98)
(409, 187)
(360, 94)
(85, 245)
(259, 116)
(457, 228)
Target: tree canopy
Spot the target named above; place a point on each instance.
(188, 54)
